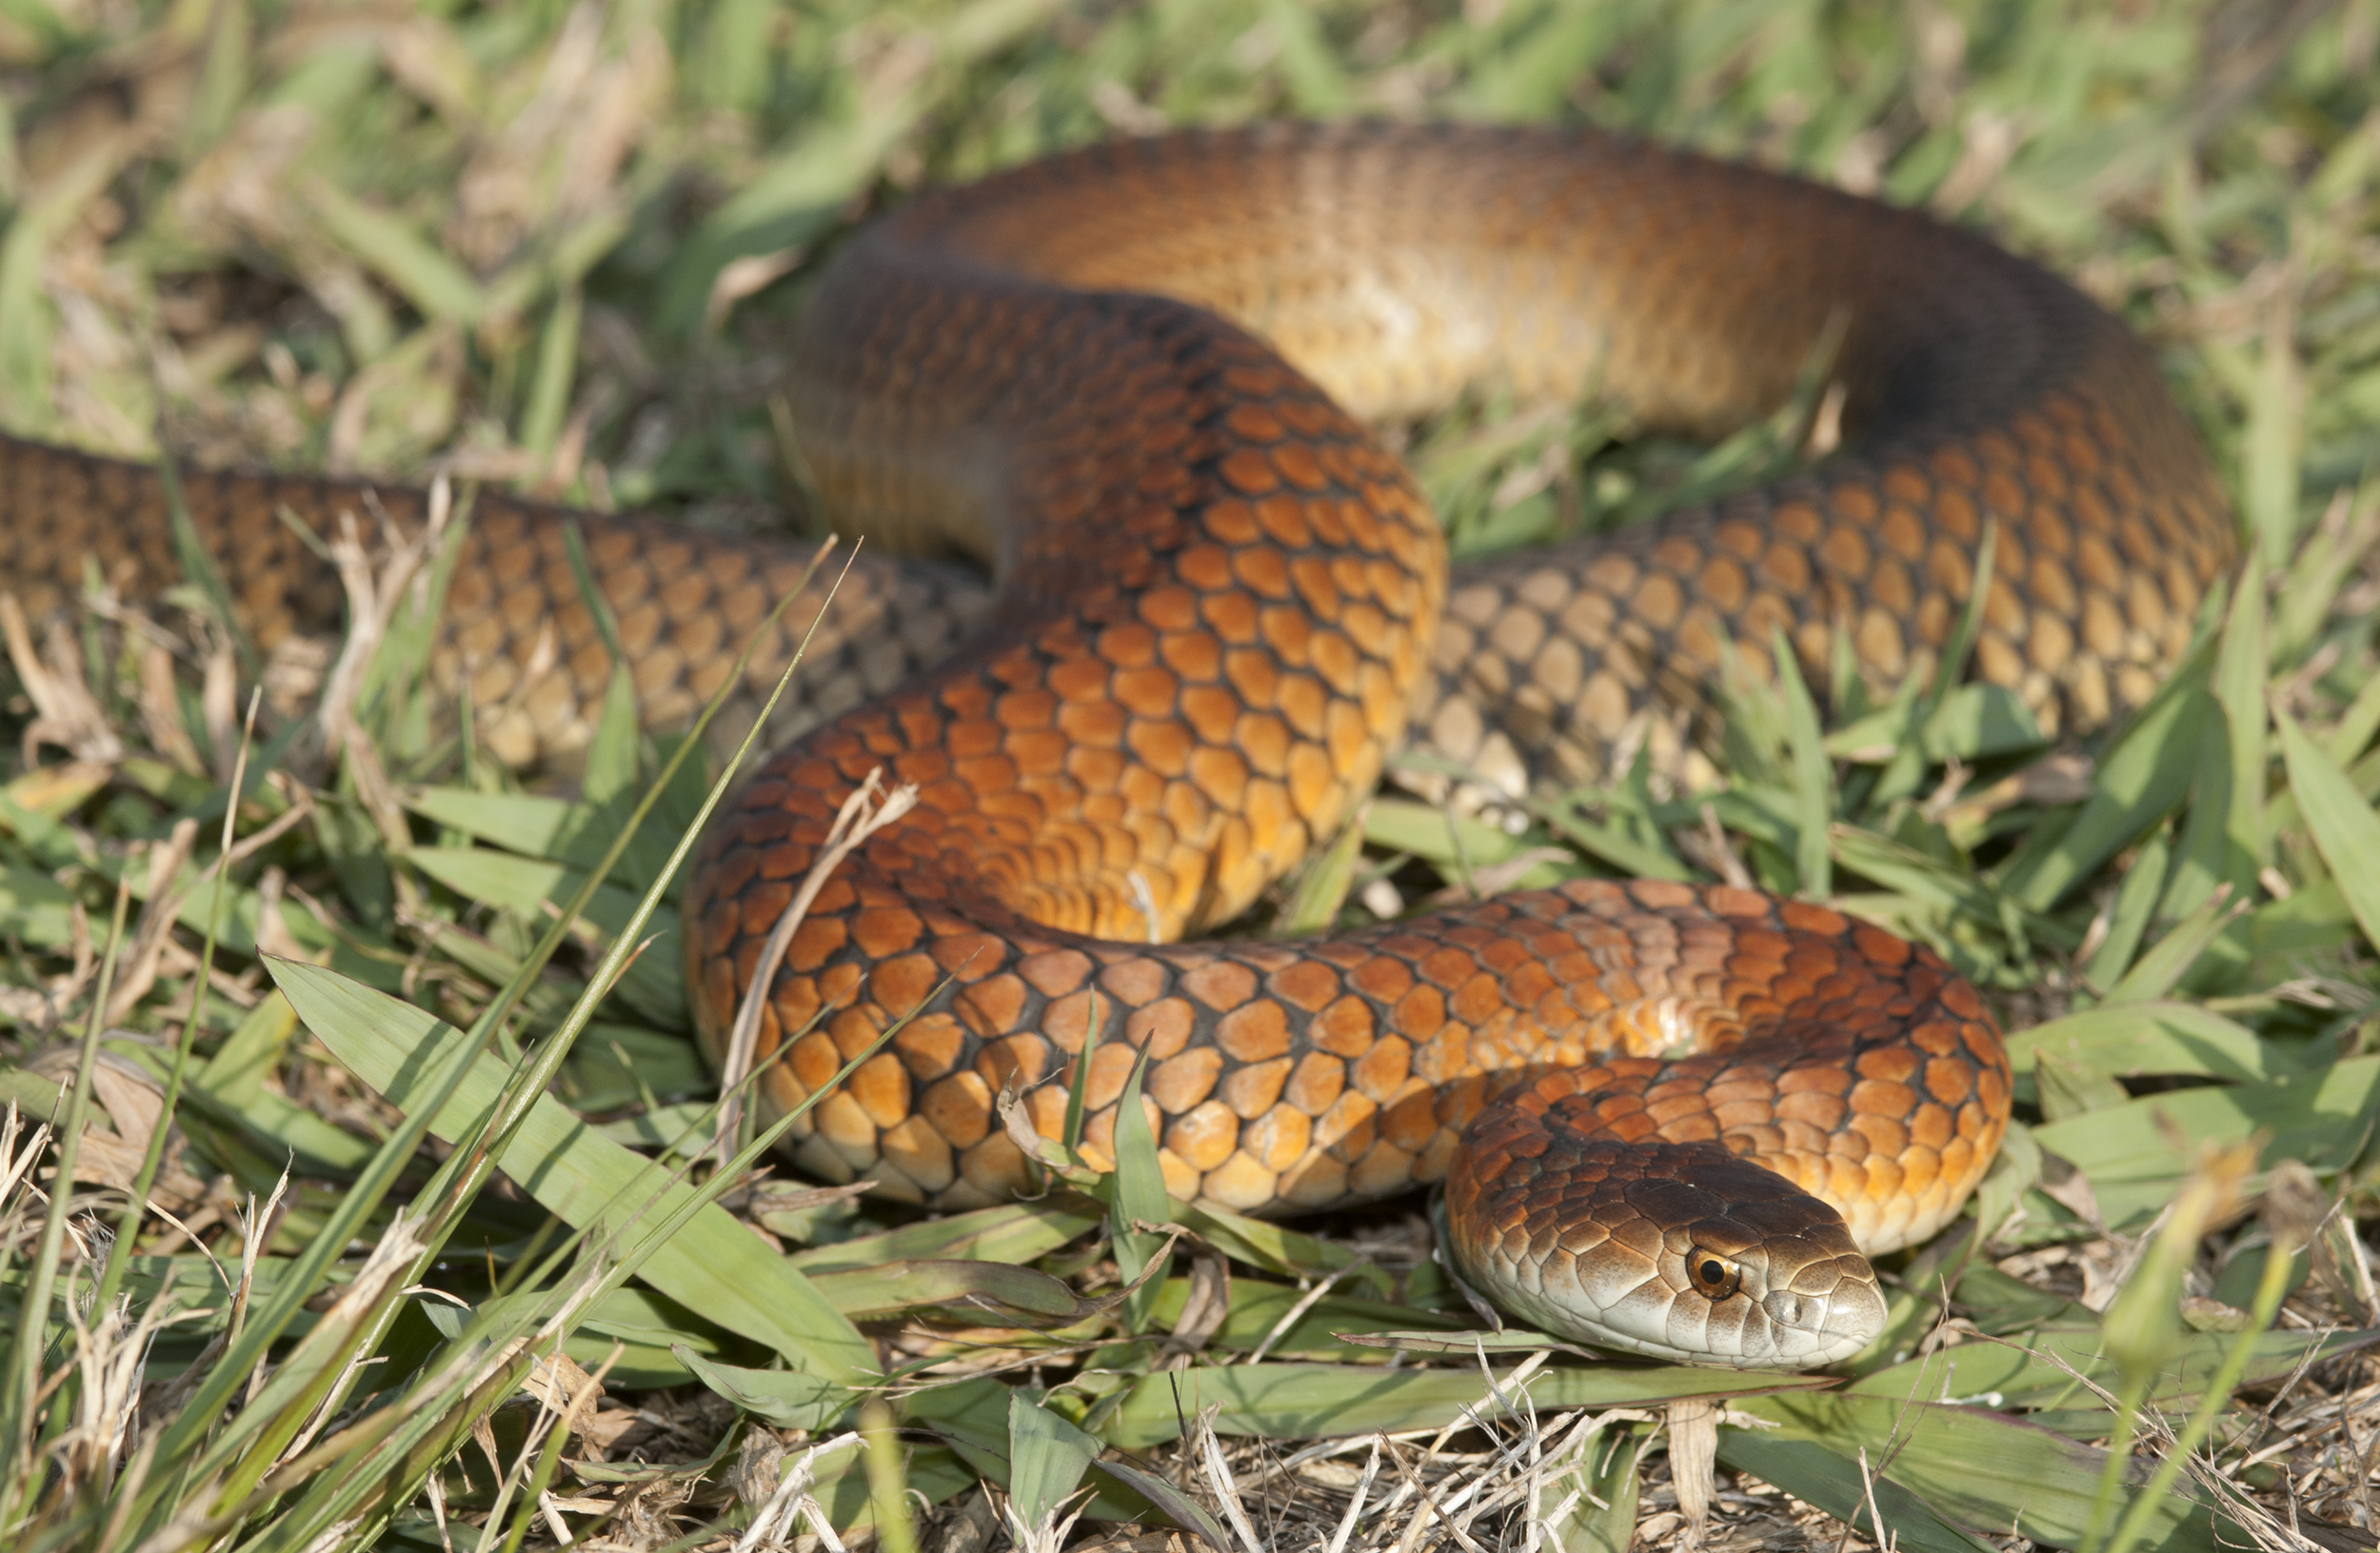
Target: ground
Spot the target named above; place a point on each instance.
(553, 249)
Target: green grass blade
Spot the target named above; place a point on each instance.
(720, 1269)
(1981, 1471)
(2344, 829)
(1834, 1483)
(2138, 781)
(1047, 1457)
(1309, 1400)
(2170, 958)
(2137, 1154)
(1813, 775)
(2153, 1037)
(2128, 917)
(22, 1377)
(2242, 664)
(1140, 1198)
(1322, 888)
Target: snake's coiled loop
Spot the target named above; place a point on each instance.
(1137, 381)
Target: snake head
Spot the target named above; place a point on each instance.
(1676, 1251)
(1773, 1284)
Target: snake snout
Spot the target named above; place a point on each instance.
(1820, 1295)
(1827, 1311)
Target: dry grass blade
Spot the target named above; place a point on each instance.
(868, 811)
(1215, 1469)
(1354, 1501)
(374, 594)
(554, 248)
(67, 715)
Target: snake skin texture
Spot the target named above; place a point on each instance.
(517, 630)
(1137, 384)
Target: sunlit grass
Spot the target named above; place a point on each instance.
(552, 249)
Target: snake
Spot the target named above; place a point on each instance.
(1139, 385)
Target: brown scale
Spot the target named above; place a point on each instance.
(1219, 599)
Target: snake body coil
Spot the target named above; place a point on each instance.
(1136, 380)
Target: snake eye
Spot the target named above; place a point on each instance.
(1714, 1277)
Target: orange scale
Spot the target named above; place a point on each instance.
(1503, 953)
(904, 984)
(1579, 971)
(1097, 724)
(1028, 708)
(1230, 612)
(1079, 679)
(1206, 1136)
(1960, 999)
(814, 1061)
(1169, 608)
(1000, 801)
(1264, 571)
(1255, 422)
(1128, 644)
(1255, 1032)
(1411, 1122)
(1022, 1058)
(1421, 1014)
(1220, 985)
(1255, 1088)
(1067, 1021)
(817, 940)
(1284, 518)
(1479, 998)
(1287, 632)
(1147, 691)
(881, 1085)
(1134, 981)
(1165, 749)
(843, 1122)
(1311, 576)
(992, 1006)
(882, 931)
(1186, 809)
(1304, 984)
(1302, 701)
(1191, 654)
(1446, 966)
(1040, 754)
(1212, 710)
(1369, 629)
(1300, 466)
(1111, 1067)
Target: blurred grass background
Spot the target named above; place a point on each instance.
(553, 247)
(516, 238)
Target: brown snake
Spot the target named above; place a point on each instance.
(1136, 381)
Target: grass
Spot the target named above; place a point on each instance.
(438, 1252)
